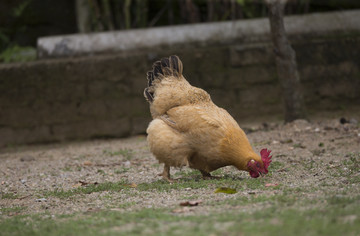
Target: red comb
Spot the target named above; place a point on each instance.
(265, 157)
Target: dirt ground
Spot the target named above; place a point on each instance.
(305, 154)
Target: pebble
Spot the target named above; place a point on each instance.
(23, 181)
(127, 164)
(27, 158)
(41, 200)
(353, 121)
(316, 129)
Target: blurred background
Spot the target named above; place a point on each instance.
(97, 93)
(22, 22)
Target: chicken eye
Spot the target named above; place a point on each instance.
(257, 165)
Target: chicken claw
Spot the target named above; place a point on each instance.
(166, 174)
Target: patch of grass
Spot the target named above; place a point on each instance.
(280, 200)
(91, 188)
(353, 163)
(126, 205)
(273, 220)
(298, 145)
(276, 165)
(341, 200)
(198, 183)
(187, 173)
(127, 153)
(349, 168)
(121, 170)
(8, 195)
(67, 168)
(100, 171)
(9, 210)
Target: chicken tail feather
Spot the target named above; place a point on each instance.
(171, 66)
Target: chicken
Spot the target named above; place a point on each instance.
(188, 129)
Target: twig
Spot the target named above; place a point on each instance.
(21, 198)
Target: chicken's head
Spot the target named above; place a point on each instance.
(256, 168)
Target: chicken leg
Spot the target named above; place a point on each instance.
(166, 174)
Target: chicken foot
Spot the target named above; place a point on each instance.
(166, 174)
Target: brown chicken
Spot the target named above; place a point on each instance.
(188, 129)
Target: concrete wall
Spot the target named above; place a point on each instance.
(101, 96)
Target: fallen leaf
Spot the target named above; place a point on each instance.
(181, 210)
(225, 190)
(132, 185)
(87, 163)
(83, 183)
(76, 185)
(286, 141)
(271, 185)
(190, 203)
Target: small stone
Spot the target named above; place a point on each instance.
(127, 164)
(41, 200)
(316, 129)
(353, 121)
(23, 181)
(27, 158)
(275, 142)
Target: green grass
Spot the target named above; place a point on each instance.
(9, 210)
(8, 196)
(91, 188)
(121, 170)
(273, 220)
(228, 181)
(127, 153)
(279, 210)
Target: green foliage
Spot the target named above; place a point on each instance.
(20, 9)
(9, 50)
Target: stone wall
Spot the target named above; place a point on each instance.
(102, 95)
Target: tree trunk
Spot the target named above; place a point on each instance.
(83, 18)
(286, 63)
(127, 13)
